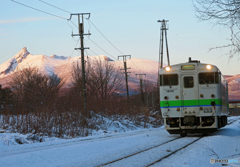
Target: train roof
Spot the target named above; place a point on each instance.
(190, 66)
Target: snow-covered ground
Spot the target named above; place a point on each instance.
(100, 149)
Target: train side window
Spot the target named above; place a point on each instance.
(160, 77)
(208, 78)
(217, 76)
(188, 82)
(170, 80)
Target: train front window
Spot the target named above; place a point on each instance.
(208, 78)
(170, 80)
(188, 82)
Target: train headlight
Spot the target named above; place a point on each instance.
(167, 68)
(209, 67)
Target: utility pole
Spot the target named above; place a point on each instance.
(141, 86)
(81, 34)
(163, 31)
(125, 71)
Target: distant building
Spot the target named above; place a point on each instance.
(234, 107)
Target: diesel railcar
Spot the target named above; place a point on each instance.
(193, 98)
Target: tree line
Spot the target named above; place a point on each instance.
(41, 104)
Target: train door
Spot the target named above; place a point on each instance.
(189, 87)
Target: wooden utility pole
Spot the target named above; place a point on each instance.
(125, 71)
(141, 86)
(81, 34)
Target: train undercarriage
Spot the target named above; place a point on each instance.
(191, 124)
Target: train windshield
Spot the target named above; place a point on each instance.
(208, 78)
(169, 80)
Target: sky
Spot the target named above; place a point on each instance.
(130, 25)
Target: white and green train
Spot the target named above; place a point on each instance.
(193, 98)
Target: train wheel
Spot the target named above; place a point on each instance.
(183, 134)
(204, 134)
(219, 122)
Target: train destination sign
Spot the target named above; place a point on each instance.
(188, 67)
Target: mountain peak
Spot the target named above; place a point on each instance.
(59, 57)
(22, 54)
(11, 65)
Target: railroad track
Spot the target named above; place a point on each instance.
(153, 147)
(160, 159)
(232, 121)
(159, 145)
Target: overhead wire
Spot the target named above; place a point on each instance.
(93, 52)
(89, 24)
(77, 27)
(54, 6)
(59, 9)
(71, 55)
(104, 36)
(102, 49)
(38, 10)
(72, 30)
(110, 42)
(67, 22)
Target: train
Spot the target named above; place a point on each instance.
(193, 98)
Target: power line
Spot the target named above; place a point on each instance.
(55, 6)
(73, 24)
(98, 45)
(135, 65)
(71, 55)
(111, 43)
(102, 49)
(76, 27)
(59, 9)
(93, 52)
(88, 22)
(38, 10)
(105, 37)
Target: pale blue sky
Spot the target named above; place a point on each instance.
(131, 25)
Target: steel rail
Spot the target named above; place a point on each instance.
(173, 152)
(138, 152)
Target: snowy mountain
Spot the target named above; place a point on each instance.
(233, 86)
(11, 64)
(62, 66)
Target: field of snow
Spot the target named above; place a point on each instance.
(100, 149)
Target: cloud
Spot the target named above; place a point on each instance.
(22, 20)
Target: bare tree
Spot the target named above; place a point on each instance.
(35, 90)
(6, 98)
(103, 82)
(222, 12)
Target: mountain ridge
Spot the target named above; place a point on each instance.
(62, 66)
